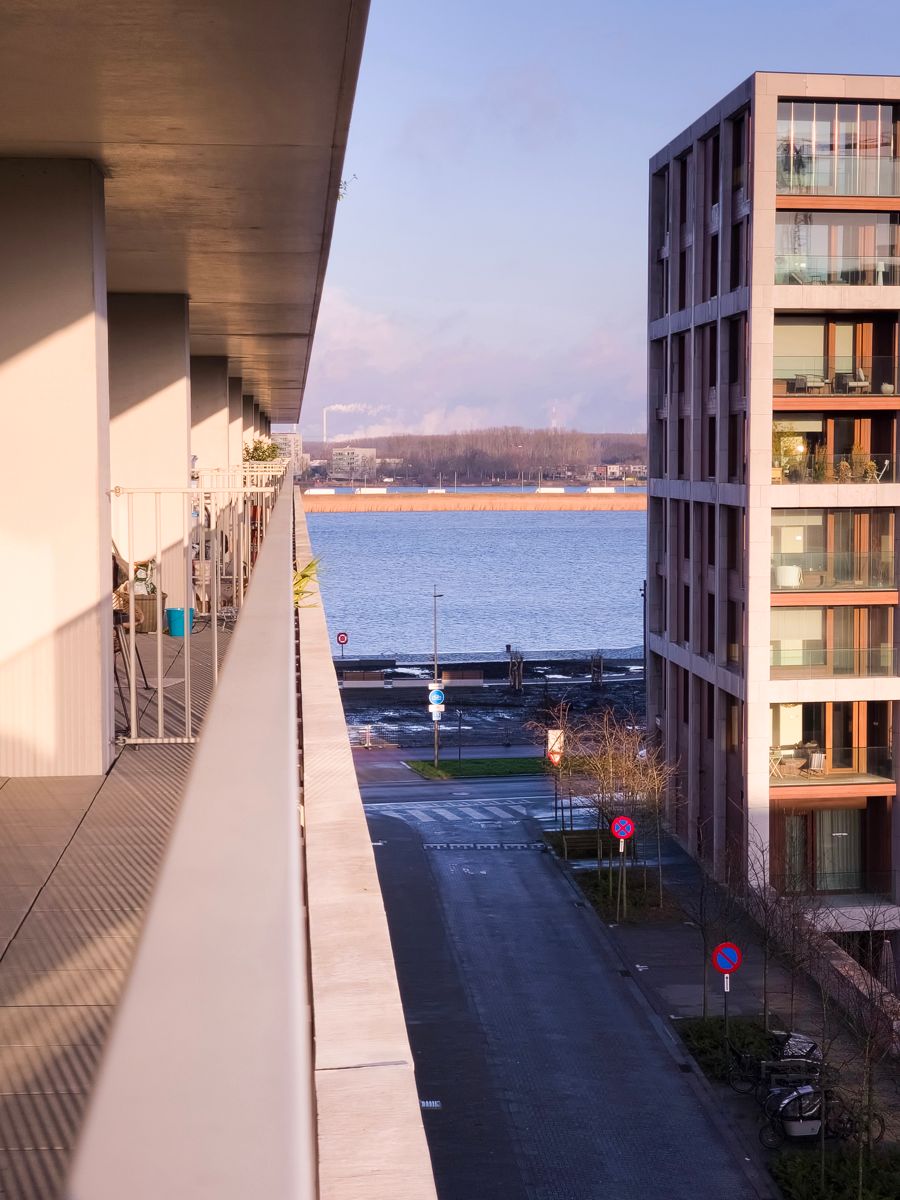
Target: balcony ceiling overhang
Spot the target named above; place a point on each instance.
(220, 127)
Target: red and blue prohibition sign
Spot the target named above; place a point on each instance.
(727, 957)
(622, 827)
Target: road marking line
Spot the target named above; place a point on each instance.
(446, 814)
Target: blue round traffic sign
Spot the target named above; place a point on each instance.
(622, 827)
(436, 696)
(727, 957)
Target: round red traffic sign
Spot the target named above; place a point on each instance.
(727, 957)
(342, 639)
(622, 827)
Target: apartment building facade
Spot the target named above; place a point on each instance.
(353, 462)
(774, 303)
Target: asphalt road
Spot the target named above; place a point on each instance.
(555, 1079)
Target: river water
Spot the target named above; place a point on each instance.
(540, 580)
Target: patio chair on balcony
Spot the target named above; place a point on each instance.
(788, 576)
(858, 382)
(816, 764)
(810, 383)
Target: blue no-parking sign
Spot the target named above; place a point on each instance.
(727, 957)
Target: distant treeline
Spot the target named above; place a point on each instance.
(504, 450)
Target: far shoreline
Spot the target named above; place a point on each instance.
(480, 502)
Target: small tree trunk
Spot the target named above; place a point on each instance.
(659, 853)
(766, 984)
(705, 978)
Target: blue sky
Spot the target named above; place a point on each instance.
(488, 263)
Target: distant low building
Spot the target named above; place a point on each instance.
(352, 462)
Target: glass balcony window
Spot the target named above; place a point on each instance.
(817, 571)
(815, 660)
(830, 850)
(823, 642)
(822, 448)
(847, 742)
(837, 248)
(838, 148)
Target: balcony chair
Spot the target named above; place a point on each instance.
(816, 764)
(787, 576)
(810, 383)
(858, 382)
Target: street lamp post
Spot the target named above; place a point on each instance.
(436, 595)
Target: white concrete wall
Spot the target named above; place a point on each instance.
(150, 426)
(235, 423)
(210, 415)
(55, 551)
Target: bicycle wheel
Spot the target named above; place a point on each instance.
(773, 1100)
(741, 1083)
(772, 1134)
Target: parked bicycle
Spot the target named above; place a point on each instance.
(793, 1058)
(799, 1113)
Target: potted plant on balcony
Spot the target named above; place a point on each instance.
(844, 472)
(859, 459)
(820, 463)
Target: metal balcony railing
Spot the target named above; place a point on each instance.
(817, 571)
(190, 550)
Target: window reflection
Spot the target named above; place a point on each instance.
(830, 148)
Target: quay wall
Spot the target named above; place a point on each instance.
(477, 502)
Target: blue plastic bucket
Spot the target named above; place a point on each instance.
(175, 621)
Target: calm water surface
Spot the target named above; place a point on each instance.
(543, 581)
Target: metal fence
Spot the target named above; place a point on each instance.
(187, 553)
(381, 735)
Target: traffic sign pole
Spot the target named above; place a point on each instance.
(622, 828)
(726, 957)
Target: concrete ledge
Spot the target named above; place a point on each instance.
(371, 1138)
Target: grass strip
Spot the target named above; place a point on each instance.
(475, 768)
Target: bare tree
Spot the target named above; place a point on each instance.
(872, 1014)
(712, 906)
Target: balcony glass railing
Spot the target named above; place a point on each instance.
(855, 878)
(811, 268)
(845, 376)
(820, 572)
(812, 764)
(813, 467)
(801, 173)
(814, 660)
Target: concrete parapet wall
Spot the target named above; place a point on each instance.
(371, 1138)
